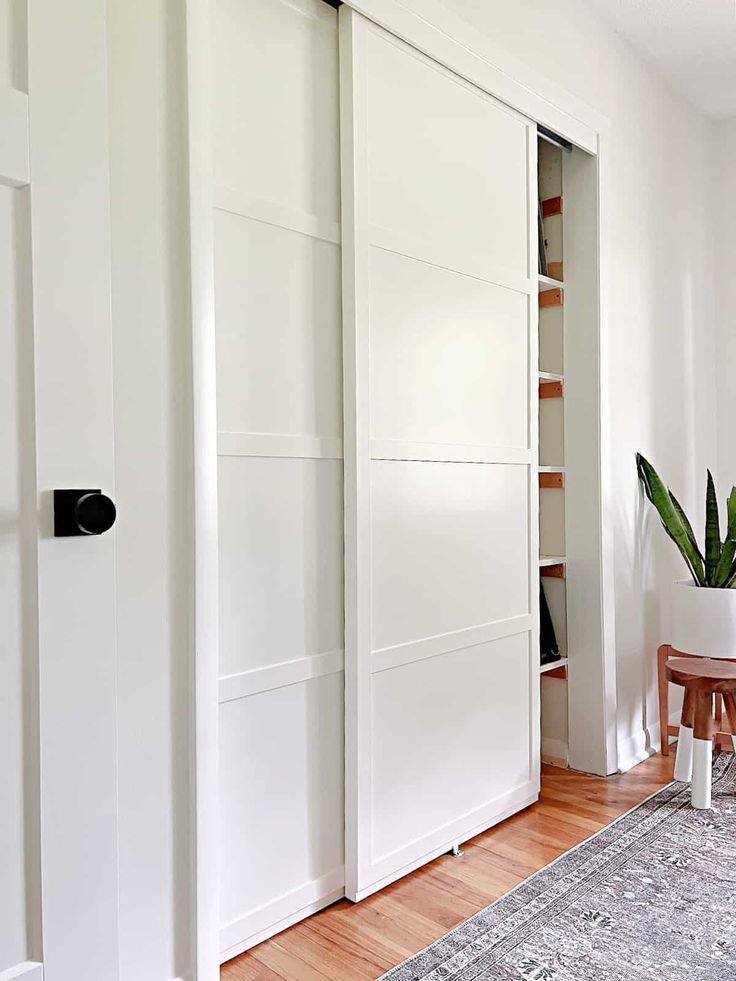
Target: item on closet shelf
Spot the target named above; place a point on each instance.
(542, 243)
(549, 649)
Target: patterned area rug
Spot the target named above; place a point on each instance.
(652, 896)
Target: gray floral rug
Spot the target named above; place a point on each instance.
(652, 896)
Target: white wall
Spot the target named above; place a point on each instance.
(147, 97)
(662, 357)
(724, 201)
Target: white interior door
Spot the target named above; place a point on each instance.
(440, 327)
(58, 818)
(279, 408)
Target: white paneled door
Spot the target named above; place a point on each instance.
(439, 320)
(276, 203)
(58, 661)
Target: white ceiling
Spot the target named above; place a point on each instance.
(691, 42)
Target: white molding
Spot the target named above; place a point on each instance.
(264, 921)
(14, 149)
(606, 454)
(397, 449)
(386, 658)
(637, 747)
(279, 445)
(243, 684)
(554, 748)
(27, 970)
(432, 28)
(463, 259)
(205, 815)
(279, 215)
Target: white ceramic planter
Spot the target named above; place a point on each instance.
(703, 620)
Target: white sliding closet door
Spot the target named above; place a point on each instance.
(440, 326)
(279, 392)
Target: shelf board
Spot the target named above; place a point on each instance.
(550, 376)
(559, 665)
(545, 560)
(551, 389)
(551, 469)
(551, 206)
(547, 283)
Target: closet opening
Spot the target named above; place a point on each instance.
(572, 675)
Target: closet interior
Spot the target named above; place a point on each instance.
(552, 476)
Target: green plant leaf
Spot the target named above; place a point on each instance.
(729, 583)
(712, 532)
(670, 517)
(731, 512)
(686, 523)
(725, 565)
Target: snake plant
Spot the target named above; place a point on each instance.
(716, 566)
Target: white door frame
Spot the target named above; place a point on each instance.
(438, 33)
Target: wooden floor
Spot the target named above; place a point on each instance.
(348, 942)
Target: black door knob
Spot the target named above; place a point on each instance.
(82, 512)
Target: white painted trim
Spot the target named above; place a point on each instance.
(476, 821)
(279, 445)
(204, 450)
(280, 215)
(264, 921)
(636, 747)
(554, 748)
(396, 449)
(606, 452)
(243, 684)
(420, 250)
(14, 149)
(27, 970)
(386, 658)
(356, 432)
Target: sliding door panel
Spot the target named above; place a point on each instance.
(441, 542)
(279, 405)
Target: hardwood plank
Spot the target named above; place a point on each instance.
(361, 941)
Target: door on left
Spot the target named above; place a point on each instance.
(58, 807)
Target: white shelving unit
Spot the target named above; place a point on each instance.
(548, 560)
(552, 470)
(547, 283)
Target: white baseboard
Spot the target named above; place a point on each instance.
(554, 749)
(640, 745)
(27, 970)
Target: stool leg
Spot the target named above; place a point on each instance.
(662, 654)
(730, 703)
(684, 757)
(702, 751)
